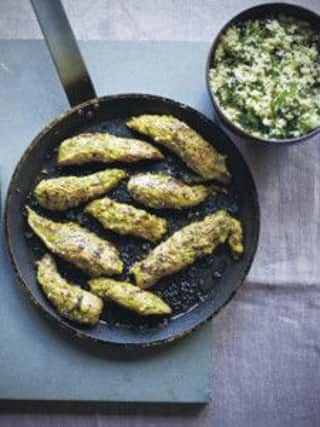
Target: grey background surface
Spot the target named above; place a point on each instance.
(266, 362)
(189, 20)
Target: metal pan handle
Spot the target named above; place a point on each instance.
(64, 50)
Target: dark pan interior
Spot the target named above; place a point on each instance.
(195, 293)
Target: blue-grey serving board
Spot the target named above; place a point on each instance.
(36, 360)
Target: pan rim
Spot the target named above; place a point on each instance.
(85, 333)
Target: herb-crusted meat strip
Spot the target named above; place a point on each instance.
(163, 191)
(68, 192)
(70, 300)
(77, 245)
(185, 142)
(104, 148)
(126, 219)
(186, 245)
(129, 296)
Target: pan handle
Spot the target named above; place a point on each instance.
(64, 50)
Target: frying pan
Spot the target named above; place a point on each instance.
(197, 292)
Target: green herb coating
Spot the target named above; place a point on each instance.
(76, 245)
(162, 191)
(68, 192)
(104, 148)
(188, 244)
(133, 298)
(71, 301)
(185, 142)
(126, 219)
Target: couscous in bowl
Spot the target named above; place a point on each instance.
(263, 74)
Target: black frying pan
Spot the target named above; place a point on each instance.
(195, 293)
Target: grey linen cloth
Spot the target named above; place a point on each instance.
(266, 341)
